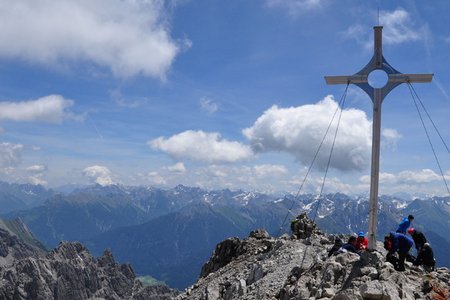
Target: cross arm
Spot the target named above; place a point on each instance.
(346, 79)
(403, 78)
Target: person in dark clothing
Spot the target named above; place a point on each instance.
(426, 258)
(350, 246)
(418, 238)
(401, 244)
(391, 257)
(337, 245)
(404, 224)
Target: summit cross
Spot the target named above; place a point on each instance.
(360, 79)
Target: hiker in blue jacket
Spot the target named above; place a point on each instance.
(404, 225)
(401, 244)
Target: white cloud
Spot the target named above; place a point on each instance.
(36, 168)
(99, 174)
(128, 37)
(177, 168)
(209, 106)
(299, 130)
(398, 27)
(418, 176)
(127, 102)
(269, 170)
(296, 7)
(10, 154)
(383, 178)
(156, 178)
(51, 108)
(390, 137)
(35, 174)
(408, 177)
(201, 146)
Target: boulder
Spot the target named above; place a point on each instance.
(256, 273)
(373, 290)
(303, 227)
(259, 234)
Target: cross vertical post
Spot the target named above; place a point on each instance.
(377, 95)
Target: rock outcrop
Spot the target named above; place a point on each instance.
(67, 272)
(298, 267)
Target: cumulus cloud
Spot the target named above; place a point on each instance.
(177, 168)
(128, 37)
(209, 106)
(201, 146)
(390, 137)
(99, 174)
(295, 7)
(10, 154)
(53, 108)
(299, 130)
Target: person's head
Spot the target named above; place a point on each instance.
(411, 231)
(361, 235)
(410, 218)
(338, 241)
(352, 240)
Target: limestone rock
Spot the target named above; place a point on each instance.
(67, 272)
(288, 269)
(223, 254)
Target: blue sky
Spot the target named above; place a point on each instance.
(216, 93)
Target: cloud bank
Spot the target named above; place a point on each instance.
(128, 37)
(299, 130)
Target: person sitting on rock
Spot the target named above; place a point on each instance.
(401, 244)
(362, 243)
(350, 246)
(337, 245)
(426, 258)
(404, 225)
(418, 238)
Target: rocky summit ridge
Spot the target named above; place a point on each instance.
(263, 267)
(67, 272)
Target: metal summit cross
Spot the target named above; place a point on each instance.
(377, 94)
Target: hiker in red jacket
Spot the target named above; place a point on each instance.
(362, 243)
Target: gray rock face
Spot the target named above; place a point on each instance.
(270, 268)
(67, 272)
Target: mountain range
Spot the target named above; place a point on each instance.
(169, 234)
